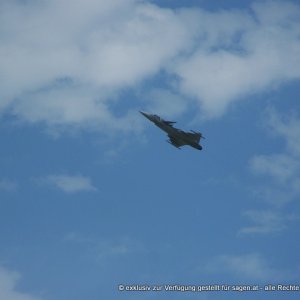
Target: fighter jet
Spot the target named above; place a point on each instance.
(177, 137)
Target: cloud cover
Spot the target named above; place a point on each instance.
(242, 54)
(70, 183)
(250, 266)
(279, 175)
(283, 169)
(265, 222)
(8, 185)
(64, 63)
(8, 282)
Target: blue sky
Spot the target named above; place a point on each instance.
(92, 196)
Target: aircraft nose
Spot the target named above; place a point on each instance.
(143, 113)
(198, 146)
(148, 116)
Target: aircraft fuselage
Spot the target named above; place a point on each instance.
(177, 136)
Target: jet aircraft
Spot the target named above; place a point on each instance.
(177, 137)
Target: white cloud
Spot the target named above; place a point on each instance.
(8, 185)
(166, 102)
(280, 174)
(71, 184)
(288, 127)
(244, 267)
(63, 62)
(240, 55)
(265, 222)
(103, 249)
(8, 283)
(281, 167)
